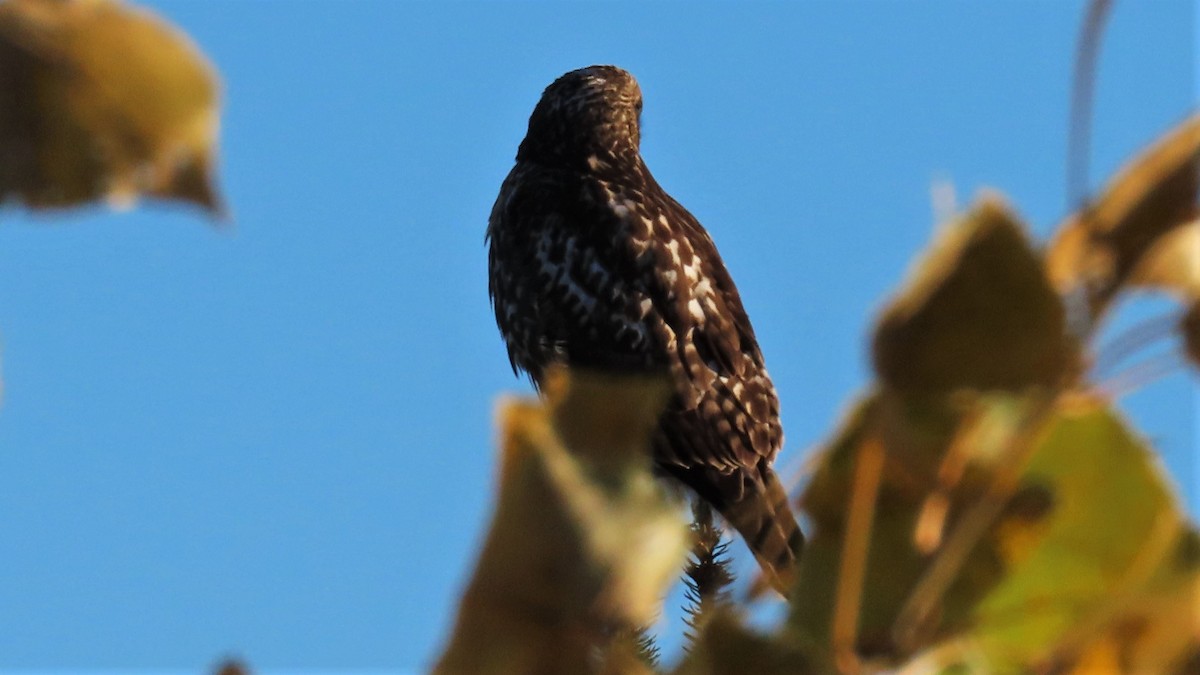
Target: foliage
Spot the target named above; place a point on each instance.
(583, 542)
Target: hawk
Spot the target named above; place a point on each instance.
(593, 265)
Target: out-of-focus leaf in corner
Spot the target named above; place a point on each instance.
(584, 541)
(1098, 247)
(978, 312)
(103, 101)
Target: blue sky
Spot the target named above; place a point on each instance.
(275, 440)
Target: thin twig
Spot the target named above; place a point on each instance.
(868, 471)
(931, 519)
(1136, 338)
(912, 620)
(1082, 95)
(1141, 374)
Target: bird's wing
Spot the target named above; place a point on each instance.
(728, 412)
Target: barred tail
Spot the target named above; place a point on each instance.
(755, 503)
(764, 518)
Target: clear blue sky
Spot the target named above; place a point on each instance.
(276, 440)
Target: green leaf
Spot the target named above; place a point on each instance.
(1019, 532)
(1111, 536)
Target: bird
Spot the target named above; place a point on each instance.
(591, 264)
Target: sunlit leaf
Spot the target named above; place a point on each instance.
(1113, 525)
(102, 101)
(978, 312)
(583, 542)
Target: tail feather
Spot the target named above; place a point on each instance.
(763, 516)
(755, 503)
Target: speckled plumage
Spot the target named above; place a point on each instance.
(591, 263)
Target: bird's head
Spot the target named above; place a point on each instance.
(587, 116)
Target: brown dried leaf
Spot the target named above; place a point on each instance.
(1098, 247)
(103, 101)
(978, 313)
(583, 542)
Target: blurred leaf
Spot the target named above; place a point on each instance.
(978, 312)
(632, 650)
(1108, 546)
(728, 648)
(1086, 544)
(1098, 247)
(102, 101)
(583, 543)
